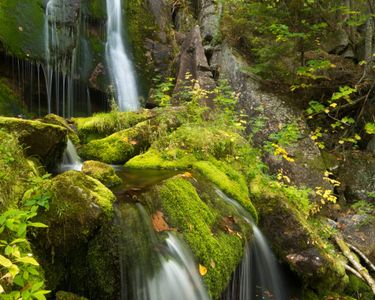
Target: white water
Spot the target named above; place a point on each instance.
(71, 159)
(258, 276)
(156, 270)
(119, 64)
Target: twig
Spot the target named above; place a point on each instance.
(363, 256)
(350, 269)
(357, 265)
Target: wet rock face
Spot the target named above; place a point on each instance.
(357, 176)
(193, 61)
(359, 230)
(209, 19)
(44, 141)
(274, 113)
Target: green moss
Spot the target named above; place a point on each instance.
(140, 25)
(61, 295)
(10, 103)
(22, 27)
(97, 9)
(44, 141)
(233, 187)
(358, 289)
(278, 204)
(101, 125)
(102, 172)
(15, 171)
(60, 121)
(153, 159)
(218, 251)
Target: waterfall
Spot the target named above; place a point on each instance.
(258, 276)
(119, 64)
(71, 160)
(153, 269)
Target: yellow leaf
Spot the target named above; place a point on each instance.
(202, 270)
(28, 260)
(5, 262)
(1, 289)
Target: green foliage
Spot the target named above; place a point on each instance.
(21, 275)
(370, 128)
(162, 92)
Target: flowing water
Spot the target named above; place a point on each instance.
(71, 159)
(152, 268)
(119, 64)
(258, 276)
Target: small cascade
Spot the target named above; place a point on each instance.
(71, 159)
(258, 276)
(119, 64)
(153, 269)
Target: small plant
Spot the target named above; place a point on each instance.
(162, 92)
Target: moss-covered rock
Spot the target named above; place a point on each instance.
(102, 172)
(79, 205)
(22, 27)
(294, 238)
(45, 141)
(15, 171)
(120, 146)
(61, 295)
(60, 121)
(101, 125)
(218, 250)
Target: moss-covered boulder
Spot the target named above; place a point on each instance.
(79, 206)
(214, 231)
(45, 141)
(102, 172)
(22, 27)
(62, 295)
(101, 125)
(298, 241)
(60, 121)
(15, 171)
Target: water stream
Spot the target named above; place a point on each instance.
(258, 276)
(71, 159)
(153, 268)
(119, 64)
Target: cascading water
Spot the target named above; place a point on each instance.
(152, 269)
(71, 159)
(258, 276)
(119, 64)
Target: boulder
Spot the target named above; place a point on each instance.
(79, 206)
(357, 176)
(274, 113)
(358, 229)
(102, 172)
(45, 141)
(60, 121)
(209, 20)
(193, 61)
(294, 239)
(61, 295)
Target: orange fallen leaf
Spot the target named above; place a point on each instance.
(202, 270)
(187, 175)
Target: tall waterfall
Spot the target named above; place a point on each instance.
(258, 276)
(119, 64)
(153, 269)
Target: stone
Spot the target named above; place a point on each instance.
(359, 230)
(357, 176)
(193, 61)
(47, 142)
(273, 113)
(102, 172)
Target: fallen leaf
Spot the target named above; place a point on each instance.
(159, 222)
(202, 270)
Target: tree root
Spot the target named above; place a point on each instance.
(363, 272)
